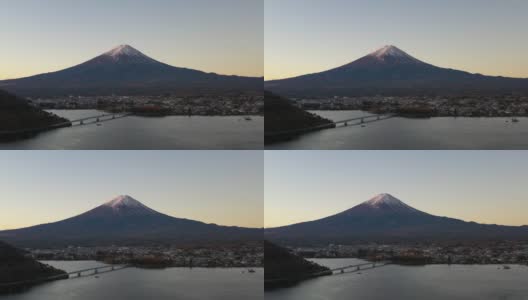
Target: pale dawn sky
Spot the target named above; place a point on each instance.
(481, 186)
(223, 187)
(225, 36)
(478, 36)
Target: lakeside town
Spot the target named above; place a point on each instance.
(424, 106)
(508, 252)
(160, 105)
(241, 256)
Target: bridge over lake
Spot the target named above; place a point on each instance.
(96, 271)
(97, 119)
(357, 268)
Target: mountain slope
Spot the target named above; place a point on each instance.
(391, 71)
(125, 221)
(125, 70)
(385, 218)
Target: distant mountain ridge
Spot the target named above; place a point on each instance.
(391, 71)
(385, 218)
(126, 221)
(126, 71)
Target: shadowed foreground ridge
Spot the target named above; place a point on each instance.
(281, 116)
(283, 268)
(17, 114)
(15, 266)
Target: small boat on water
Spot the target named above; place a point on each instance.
(251, 271)
(247, 118)
(515, 120)
(506, 267)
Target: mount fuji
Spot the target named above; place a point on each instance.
(392, 71)
(126, 71)
(126, 221)
(385, 218)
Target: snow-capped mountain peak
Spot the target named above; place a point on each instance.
(386, 200)
(124, 50)
(391, 51)
(125, 202)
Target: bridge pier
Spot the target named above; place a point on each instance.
(79, 274)
(346, 123)
(362, 120)
(97, 120)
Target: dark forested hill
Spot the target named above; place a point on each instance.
(15, 267)
(16, 114)
(283, 268)
(281, 116)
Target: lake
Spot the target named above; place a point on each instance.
(135, 132)
(432, 282)
(404, 133)
(159, 284)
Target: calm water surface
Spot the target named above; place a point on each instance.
(134, 132)
(434, 282)
(132, 283)
(403, 133)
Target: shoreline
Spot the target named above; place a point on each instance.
(424, 264)
(410, 116)
(157, 114)
(154, 266)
